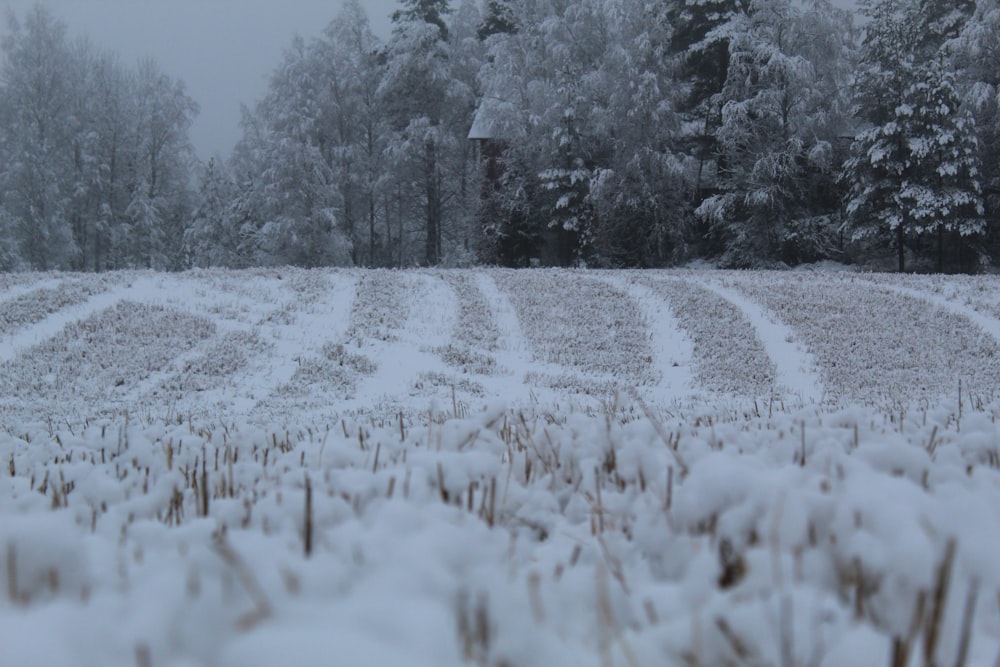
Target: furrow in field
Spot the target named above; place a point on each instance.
(472, 348)
(289, 324)
(586, 336)
(381, 359)
(728, 355)
(47, 298)
(408, 369)
(15, 286)
(987, 322)
(308, 366)
(795, 367)
(512, 347)
(512, 351)
(877, 346)
(673, 351)
(50, 324)
(93, 366)
(973, 294)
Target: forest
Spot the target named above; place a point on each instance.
(597, 133)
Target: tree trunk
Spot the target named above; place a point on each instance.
(901, 249)
(371, 227)
(433, 227)
(940, 249)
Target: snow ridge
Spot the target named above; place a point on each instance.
(514, 350)
(323, 319)
(20, 289)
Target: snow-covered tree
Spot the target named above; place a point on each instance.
(94, 157)
(637, 183)
(36, 78)
(914, 173)
(424, 107)
(430, 12)
(213, 237)
(974, 52)
(501, 18)
(699, 50)
(158, 210)
(357, 127)
(783, 109)
(286, 179)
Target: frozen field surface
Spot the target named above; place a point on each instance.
(496, 468)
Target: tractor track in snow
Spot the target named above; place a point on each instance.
(795, 367)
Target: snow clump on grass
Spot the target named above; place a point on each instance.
(807, 538)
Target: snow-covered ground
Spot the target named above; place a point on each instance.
(499, 468)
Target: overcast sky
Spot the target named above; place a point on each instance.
(223, 50)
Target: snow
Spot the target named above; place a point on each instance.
(405, 361)
(794, 364)
(673, 350)
(466, 510)
(989, 324)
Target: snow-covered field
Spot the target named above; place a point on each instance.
(286, 467)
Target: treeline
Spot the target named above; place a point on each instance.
(95, 161)
(610, 133)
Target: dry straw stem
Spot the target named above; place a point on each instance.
(12, 572)
(307, 538)
(902, 647)
(735, 642)
(662, 432)
(612, 630)
(142, 655)
(475, 630)
(932, 631)
(965, 635)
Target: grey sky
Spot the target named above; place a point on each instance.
(223, 50)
